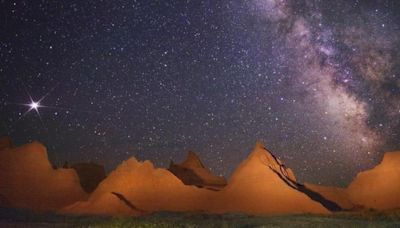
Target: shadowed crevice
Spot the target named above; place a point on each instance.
(127, 202)
(328, 204)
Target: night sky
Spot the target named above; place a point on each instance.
(317, 81)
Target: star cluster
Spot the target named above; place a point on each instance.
(317, 81)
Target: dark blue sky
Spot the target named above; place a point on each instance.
(317, 81)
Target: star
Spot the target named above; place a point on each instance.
(287, 73)
(34, 105)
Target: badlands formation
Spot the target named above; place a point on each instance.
(260, 185)
(193, 172)
(28, 180)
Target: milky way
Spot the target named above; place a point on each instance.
(317, 81)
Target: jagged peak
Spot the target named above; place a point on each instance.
(193, 172)
(259, 144)
(127, 164)
(149, 164)
(132, 159)
(262, 157)
(134, 165)
(193, 160)
(262, 154)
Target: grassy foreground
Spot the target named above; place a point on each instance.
(18, 218)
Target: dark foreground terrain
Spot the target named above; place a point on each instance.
(21, 218)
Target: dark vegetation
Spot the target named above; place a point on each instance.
(367, 218)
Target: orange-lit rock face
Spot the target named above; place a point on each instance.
(149, 189)
(193, 172)
(260, 185)
(379, 187)
(27, 180)
(254, 188)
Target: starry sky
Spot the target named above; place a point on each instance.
(317, 81)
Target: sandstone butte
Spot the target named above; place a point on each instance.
(260, 185)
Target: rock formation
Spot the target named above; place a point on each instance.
(137, 187)
(193, 172)
(378, 188)
(145, 187)
(261, 185)
(27, 180)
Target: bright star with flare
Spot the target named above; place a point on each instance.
(34, 105)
